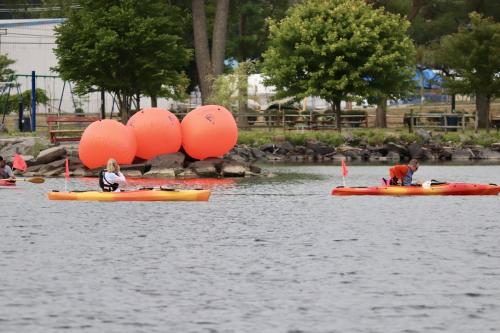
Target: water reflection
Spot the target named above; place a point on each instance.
(273, 254)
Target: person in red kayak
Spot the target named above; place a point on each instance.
(403, 174)
(5, 170)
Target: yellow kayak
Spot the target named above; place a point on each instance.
(138, 195)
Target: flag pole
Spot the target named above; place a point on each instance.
(344, 172)
(66, 174)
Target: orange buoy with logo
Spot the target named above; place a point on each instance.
(208, 131)
(105, 139)
(157, 131)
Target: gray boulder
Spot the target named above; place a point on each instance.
(416, 151)
(234, 169)
(186, 173)
(50, 155)
(160, 173)
(167, 161)
(425, 136)
(83, 172)
(394, 147)
(210, 167)
(488, 154)
(393, 156)
(285, 147)
(49, 167)
(257, 153)
(132, 173)
(320, 148)
(462, 154)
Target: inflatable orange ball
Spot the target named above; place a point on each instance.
(208, 131)
(105, 139)
(157, 131)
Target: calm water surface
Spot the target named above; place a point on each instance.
(268, 255)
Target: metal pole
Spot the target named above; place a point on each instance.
(33, 101)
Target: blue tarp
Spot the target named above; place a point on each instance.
(432, 80)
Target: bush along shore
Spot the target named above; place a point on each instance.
(263, 146)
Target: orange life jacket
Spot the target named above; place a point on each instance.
(399, 171)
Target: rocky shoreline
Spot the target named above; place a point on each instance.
(49, 161)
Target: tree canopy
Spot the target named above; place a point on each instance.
(128, 47)
(472, 54)
(5, 71)
(338, 50)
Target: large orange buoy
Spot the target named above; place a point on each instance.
(208, 131)
(157, 131)
(105, 139)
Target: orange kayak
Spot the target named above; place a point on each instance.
(139, 195)
(437, 189)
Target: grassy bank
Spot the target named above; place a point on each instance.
(362, 137)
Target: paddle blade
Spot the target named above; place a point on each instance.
(35, 180)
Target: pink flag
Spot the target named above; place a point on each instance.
(66, 174)
(344, 169)
(19, 163)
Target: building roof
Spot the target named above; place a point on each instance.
(29, 22)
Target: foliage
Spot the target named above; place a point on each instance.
(5, 71)
(452, 137)
(226, 88)
(363, 137)
(338, 50)
(11, 102)
(434, 19)
(247, 28)
(473, 54)
(127, 47)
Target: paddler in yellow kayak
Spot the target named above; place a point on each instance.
(111, 178)
(402, 175)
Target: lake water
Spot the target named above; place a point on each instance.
(267, 255)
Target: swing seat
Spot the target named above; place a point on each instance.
(68, 128)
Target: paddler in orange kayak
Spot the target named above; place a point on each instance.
(403, 174)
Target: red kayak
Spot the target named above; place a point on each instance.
(434, 189)
(7, 182)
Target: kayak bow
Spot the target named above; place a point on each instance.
(438, 189)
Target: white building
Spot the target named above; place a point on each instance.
(30, 42)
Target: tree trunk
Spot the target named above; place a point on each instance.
(381, 116)
(201, 48)
(453, 102)
(123, 100)
(219, 37)
(242, 104)
(483, 111)
(415, 9)
(154, 101)
(338, 113)
(137, 102)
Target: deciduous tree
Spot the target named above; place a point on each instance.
(472, 53)
(338, 50)
(127, 47)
